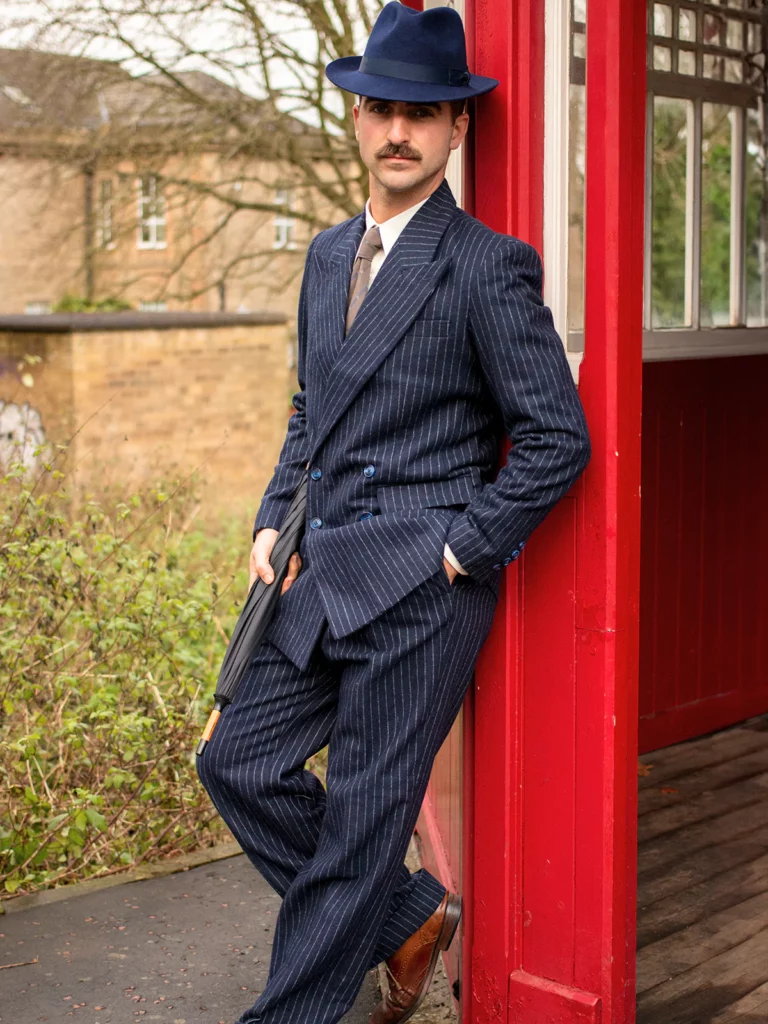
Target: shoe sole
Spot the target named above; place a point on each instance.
(447, 931)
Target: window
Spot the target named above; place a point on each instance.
(706, 184)
(104, 217)
(153, 306)
(37, 307)
(285, 225)
(152, 222)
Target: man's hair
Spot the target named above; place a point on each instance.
(457, 106)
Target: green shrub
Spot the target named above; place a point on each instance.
(113, 625)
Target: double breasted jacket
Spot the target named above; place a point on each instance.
(400, 421)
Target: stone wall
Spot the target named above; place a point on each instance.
(145, 392)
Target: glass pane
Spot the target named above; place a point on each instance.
(753, 37)
(733, 70)
(686, 62)
(756, 228)
(662, 58)
(579, 44)
(662, 20)
(160, 232)
(735, 34)
(714, 26)
(576, 180)
(715, 215)
(579, 11)
(686, 27)
(670, 144)
(713, 66)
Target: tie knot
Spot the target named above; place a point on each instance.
(370, 244)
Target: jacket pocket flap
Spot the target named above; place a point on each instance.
(429, 493)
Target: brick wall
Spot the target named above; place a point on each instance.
(147, 392)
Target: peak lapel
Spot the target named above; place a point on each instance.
(331, 311)
(406, 279)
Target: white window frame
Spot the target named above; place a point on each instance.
(557, 81)
(158, 218)
(696, 342)
(284, 226)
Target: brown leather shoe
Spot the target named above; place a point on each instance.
(410, 969)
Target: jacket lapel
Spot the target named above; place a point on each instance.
(406, 279)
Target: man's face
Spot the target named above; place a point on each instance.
(404, 144)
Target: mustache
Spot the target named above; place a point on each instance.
(403, 150)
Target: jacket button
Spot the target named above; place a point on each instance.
(366, 515)
(506, 561)
(316, 523)
(515, 553)
(316, 474)
(369, 471)
(497, 566)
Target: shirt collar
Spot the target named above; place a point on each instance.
(389, 230)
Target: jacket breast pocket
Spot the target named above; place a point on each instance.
(458, 490)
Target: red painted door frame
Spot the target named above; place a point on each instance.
(552, 844)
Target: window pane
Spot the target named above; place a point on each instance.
(756, 233)
(670, 144)
(576, 183)
(715, 215)
(687, 25)
(662, 58)
(662, 20)
(686, 62)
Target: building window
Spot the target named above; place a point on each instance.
(157, 306)
(706, 179)
(285, 224)
(105, 222)
(152, 215)
(37, 307)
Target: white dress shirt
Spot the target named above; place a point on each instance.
(389, 230)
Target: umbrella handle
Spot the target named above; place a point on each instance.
(210, 725)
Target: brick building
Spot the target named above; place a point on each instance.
(164, 195)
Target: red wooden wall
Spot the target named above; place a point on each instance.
(704, 547)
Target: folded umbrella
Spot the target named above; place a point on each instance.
(257, 613)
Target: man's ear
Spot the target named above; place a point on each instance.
(460, 126)
(356, 116)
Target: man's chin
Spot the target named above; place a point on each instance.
(403, 178)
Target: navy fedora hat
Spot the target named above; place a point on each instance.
(415, 56)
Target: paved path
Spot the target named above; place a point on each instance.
(186, 948)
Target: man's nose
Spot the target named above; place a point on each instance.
(399, 131)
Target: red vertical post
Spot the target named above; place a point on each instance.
(553, 843)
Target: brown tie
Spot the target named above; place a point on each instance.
(361, 272)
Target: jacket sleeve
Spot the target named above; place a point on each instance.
(526, 369)
(294, 453)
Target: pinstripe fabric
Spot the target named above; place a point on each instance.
(452, 346)
(384, 698)
(371, 649)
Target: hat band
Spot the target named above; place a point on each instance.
(414, 72)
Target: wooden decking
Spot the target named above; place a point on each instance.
(702, 916)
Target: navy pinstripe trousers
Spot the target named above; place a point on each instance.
(383, 698)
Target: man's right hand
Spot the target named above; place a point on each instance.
(259, 565)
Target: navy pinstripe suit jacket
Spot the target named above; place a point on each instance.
(400, 420)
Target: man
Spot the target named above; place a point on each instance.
(422, 337)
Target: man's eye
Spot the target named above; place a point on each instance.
(424, 112)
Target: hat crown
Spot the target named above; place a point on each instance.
(434, 37)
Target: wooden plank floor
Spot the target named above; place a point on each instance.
(702, 902)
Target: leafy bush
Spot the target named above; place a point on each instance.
(79, 304)
(113, 625)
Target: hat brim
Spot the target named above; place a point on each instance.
(344, 73)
